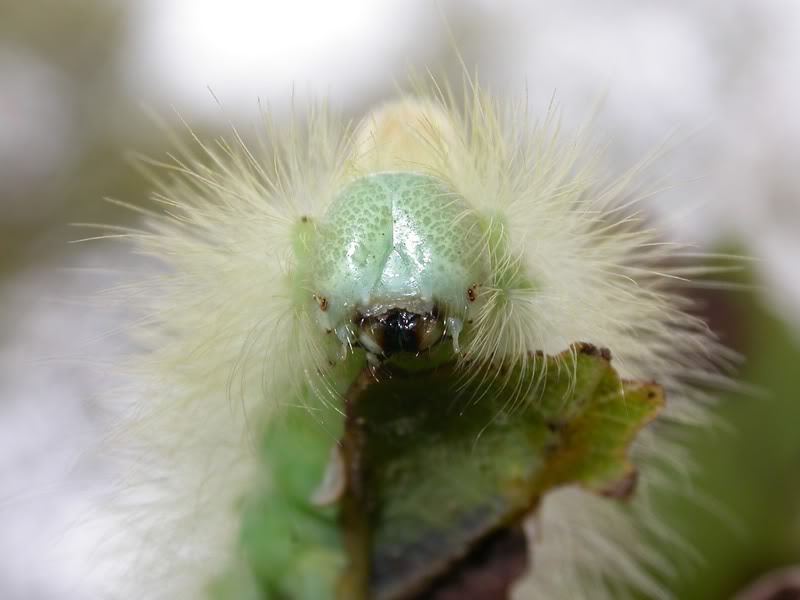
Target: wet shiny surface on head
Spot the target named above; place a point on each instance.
(400, 241)
(398, 330)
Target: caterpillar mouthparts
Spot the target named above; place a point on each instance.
(393, 252)
(398, 330)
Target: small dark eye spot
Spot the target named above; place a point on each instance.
(322, 301)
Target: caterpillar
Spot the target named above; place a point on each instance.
(445, 223)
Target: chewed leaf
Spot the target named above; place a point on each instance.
(435, 476)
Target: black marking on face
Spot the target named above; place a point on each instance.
(400, 331)
(472, 292)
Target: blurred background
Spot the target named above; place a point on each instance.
(77, 78)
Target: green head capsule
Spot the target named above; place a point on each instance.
(398, 262)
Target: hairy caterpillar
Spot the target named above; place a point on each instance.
(437, 227)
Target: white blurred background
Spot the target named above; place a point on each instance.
(723, 76)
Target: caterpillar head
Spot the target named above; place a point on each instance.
(398, 264)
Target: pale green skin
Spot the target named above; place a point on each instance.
(397, 240)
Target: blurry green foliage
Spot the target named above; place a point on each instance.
(742, 514)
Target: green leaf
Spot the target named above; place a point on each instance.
(440, 469)
(437, 465)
